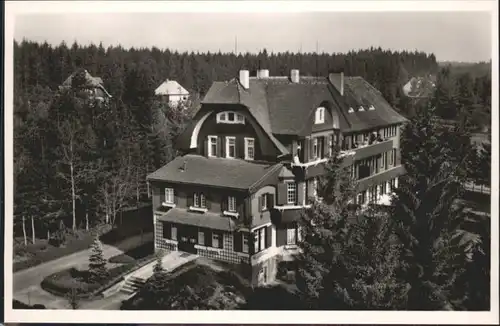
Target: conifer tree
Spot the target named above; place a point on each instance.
(158, 268)
(426, 214)
(97, 263)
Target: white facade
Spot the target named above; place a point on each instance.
(172, 91)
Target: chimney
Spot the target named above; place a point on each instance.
(337, 80)
(245, 78)
(295, 76)
(263, 73)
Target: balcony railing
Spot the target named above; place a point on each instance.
(365, 151)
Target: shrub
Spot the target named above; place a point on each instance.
(121, 259)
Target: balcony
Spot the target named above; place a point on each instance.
(380, 177)
(287, 216)
(373, 149)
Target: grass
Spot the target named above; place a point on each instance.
(133, 254)
(132, 223)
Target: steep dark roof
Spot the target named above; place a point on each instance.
(217, 172)
(282, 107)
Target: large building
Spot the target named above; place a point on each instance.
(252, 156)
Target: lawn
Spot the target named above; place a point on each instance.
(132, 223)
(63, 282)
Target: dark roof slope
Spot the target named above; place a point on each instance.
(282, 107)
(217, 172)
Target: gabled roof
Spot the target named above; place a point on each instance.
(90, 81)
(171, 87)
(282, 107)
(217, 172)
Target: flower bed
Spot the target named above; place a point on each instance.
(63, 282)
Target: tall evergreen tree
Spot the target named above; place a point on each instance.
(97, 263)
(426, 215)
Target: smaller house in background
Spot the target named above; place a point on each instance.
(172, 92)
(86, 85)
(419, 87)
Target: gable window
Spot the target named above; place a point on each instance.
(249, 148)
(244, 239)
(169, 195)
(361, 108)
(230, 147)
(320, 115)
(371, 108)
(199, 200)
(231, 204)
(351, 110)
(212, 146)
(230, 117)
(291, 193)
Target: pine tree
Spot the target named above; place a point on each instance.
(348, 258)
(426, 215)
(158, 268)
(97, 263)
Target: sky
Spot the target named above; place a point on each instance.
(451, 36)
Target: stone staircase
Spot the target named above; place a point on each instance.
(132, 285)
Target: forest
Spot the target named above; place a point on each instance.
(78, 164)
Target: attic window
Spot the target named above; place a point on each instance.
(361, 108)
(372, 108)
(351, 110)
(320, 115)
(230, 117)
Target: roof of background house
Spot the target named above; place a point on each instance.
(171, 87)
(90, 81)
(281, 107)
(217, 172)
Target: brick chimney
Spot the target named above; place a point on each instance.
(245, 78)
(337, 80)
(295, 76)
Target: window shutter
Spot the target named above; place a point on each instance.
(162, 196)
(189, 199)
(240, 147)
(270, 201)
(208, 238)
(205, 147)
(176, 197)
(222, 146)
(311, 148)
(237, 242)
(260, 203)
(240, 207)
(282, 194)
(223, 203)
(219, 147)
(300, 193)
(305, 150)
(269, 236)
(207, 201)
(324, 143)
(251, 243)
(167, 231)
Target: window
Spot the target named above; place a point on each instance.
(361, 198)
(320, 115)
(230, 147)
(315, 147)
(382, 189)
(351, 110)
(199, 200)
(169, 195)
(371, 108)
(361, 108)
(230, 117)
(393, 185)
(231, 204)
(263, 202)
(259, 239)
(394, 156)
(315, 187)
(291, 236)
(174, 233)
(201, 238)
(244, 239)
(391, 158)
(373, 194)
(212, 146)
(291, 193)
(330, 145)
(216, 240)
(249, 148)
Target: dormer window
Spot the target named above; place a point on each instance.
(371, 108)
(361, 108)
(351, 110)
(230, 117)
(320, 115)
